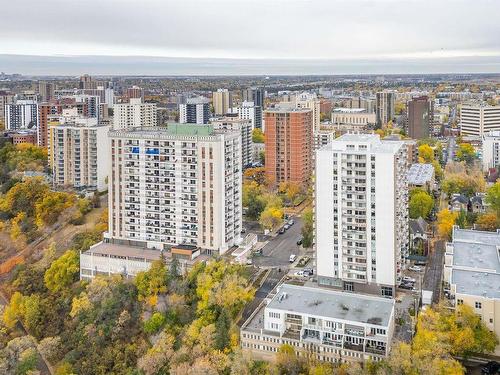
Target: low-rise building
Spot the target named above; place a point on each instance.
(472, 270)
(421, 175)
(330, 325)
(490, 150)
(352, 119)
(111, 257)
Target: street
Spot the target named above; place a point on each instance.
(276, 253)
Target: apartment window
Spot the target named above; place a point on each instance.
(387, 291)
(274, 315)
(478, 305)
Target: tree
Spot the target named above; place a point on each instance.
(493, 197)
(48, 209)
(62, 272)
(222, 330)
(51, 348)
(421, 204)
(23, 197)
(445, 221)
(253, 200)
(307, 228)
(287, 361)
(466, 153)
(461, 219)
(14, 310)
(257, 136)
(271, 217)
(425, 154)
(488, 222)
(155, 323)
(153, 281)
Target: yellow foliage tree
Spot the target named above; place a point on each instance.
(425, 154)
(445, 221)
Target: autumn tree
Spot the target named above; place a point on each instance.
(62, 272)
(425, 154)
(152, 282)
(421, 204)
(257, 136)
(445, 221)
(466, 153)
(488, 222)
(253, 200)
(493, 197)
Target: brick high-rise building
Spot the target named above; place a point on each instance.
(420, 114)
(288, 144)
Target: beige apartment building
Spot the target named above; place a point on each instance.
(472, 271)
(78, 152)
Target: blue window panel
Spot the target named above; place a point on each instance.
(135, 150)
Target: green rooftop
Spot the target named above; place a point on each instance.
(189, 129)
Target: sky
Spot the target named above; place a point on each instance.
(340, 30)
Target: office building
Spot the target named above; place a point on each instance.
(472, 272)
(361, 209)
(179, 185)
(321, 324)
(419, 117)
(79, 154)
(355, 119)
(5, 98)
(255, 95)
(195, 111)
(249, 111)
(245, 129)
(134, 114)
(288, 145)
(46, 91)
(222, 100)
(491, 150)
(21, 115)
(477, 119)
(384, 108)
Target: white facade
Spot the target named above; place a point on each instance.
(361, 213)
(176, 185)
(134, 114)
(79, 154)
(478, 119)
(195, 111)
(245, 129)
(491, 150)
(336, 325)
(21, 115)
(310, 101)
(248, 111)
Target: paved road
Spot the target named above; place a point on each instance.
(434, 271)
(277, 252)
(272, 279)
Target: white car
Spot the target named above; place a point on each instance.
(299, 273)
(415, 268)
(409, 279)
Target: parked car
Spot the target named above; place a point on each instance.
(243, 231)
(422, 263)
(308, 272)
(292, 258)
(291, 222)
(408, 279)
(286, 227)
(282, 230)
(299, 273)
(408, 286)
(415, 268)
(299, 242)
(492, 367)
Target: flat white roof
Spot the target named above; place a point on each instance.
(420, 174)
(333, 304)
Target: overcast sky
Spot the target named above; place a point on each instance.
(328, 29)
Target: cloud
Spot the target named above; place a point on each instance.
(325, 29)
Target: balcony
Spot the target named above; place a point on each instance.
(351, 346)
